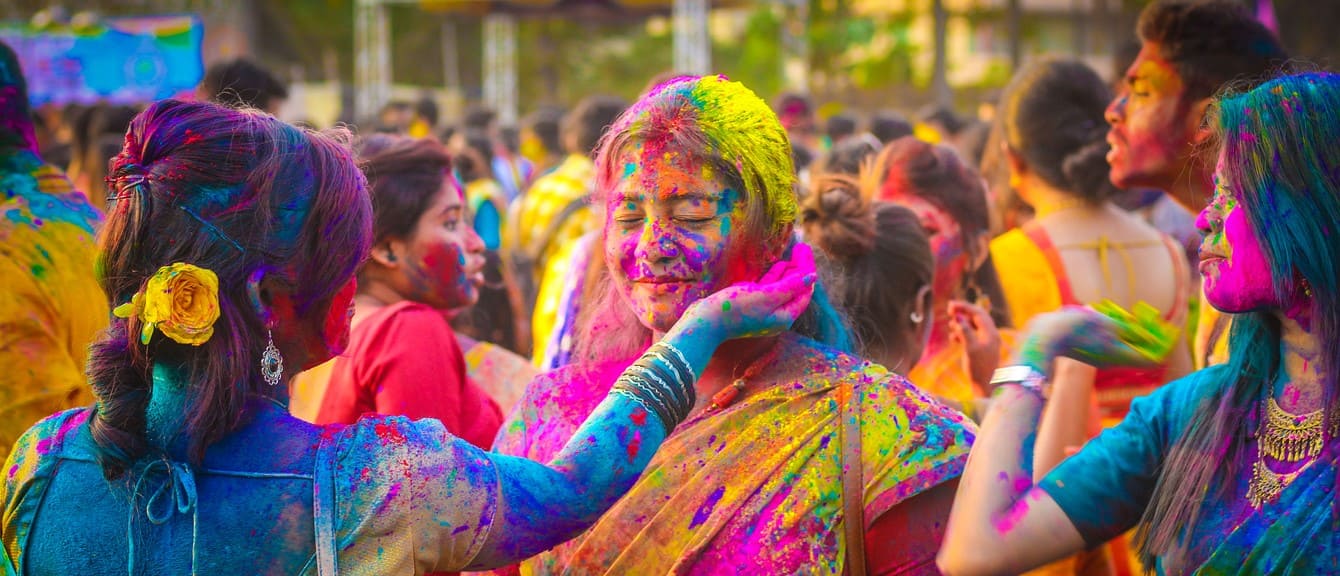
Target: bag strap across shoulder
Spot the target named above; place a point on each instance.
(853, 482)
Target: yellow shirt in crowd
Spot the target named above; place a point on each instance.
(51, 307)
(539, 232)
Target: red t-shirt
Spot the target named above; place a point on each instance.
(404, 360)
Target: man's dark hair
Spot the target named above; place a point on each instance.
(888, 126)
(479, 118)
(839, 126)
(242, 83)
(1210, 42)
(426, 108)
(589, 120)
(546, 124)
(942, 116)
(793, 109)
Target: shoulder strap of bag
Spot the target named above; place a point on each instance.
(853, 483)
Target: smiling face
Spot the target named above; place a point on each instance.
(1232, 260)
(444, 259)
(668, 235)
(1150, 134)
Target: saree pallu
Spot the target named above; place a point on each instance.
(1297, 534)
(756, 488)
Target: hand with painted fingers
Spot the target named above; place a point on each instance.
(1102, 339)
(765, 307)
(972, 325)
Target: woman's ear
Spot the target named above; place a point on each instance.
(979, 249)
(389, 253)
(260, 296)
(1015, 163)
(1200, 131)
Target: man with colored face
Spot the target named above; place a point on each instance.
(1190, 49)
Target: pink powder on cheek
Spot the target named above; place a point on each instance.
(441, 276)
(336, 330)
(1242, 281)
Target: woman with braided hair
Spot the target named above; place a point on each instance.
(229, 258)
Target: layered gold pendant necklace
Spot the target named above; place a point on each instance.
(1286, 438)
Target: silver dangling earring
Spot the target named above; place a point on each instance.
(272, 364)
(916, 317)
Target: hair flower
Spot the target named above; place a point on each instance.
(180, 300)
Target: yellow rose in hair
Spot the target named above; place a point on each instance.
(181, 301)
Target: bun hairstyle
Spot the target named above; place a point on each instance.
(245, 196)
(877, 260)
(1052, 113)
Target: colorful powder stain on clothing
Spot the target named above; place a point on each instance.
(53, 307)
(705, 511)
(398, 496)
(756, 487)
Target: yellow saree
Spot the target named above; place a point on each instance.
(756, 488)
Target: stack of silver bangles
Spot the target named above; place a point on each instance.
(661, 381)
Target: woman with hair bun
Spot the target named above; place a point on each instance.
(1081, 248)
(882, 268)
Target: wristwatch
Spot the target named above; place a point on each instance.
(1025, 377)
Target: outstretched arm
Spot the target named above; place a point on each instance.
(1001, 522)
(541, 505)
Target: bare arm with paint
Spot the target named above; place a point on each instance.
(1068, 418)
(537, 506)
(1001, 522)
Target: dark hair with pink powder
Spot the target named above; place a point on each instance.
(937, 174)
(236, 192)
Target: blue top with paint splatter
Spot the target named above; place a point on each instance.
(1105, 488)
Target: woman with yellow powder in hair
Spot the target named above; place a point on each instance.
(799, 456)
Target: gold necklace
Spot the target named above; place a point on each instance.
(1289, 438)
(1285, 438)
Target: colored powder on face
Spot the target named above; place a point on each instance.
(725, 306)
(740, 128)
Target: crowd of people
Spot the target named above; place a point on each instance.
(693, 333)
